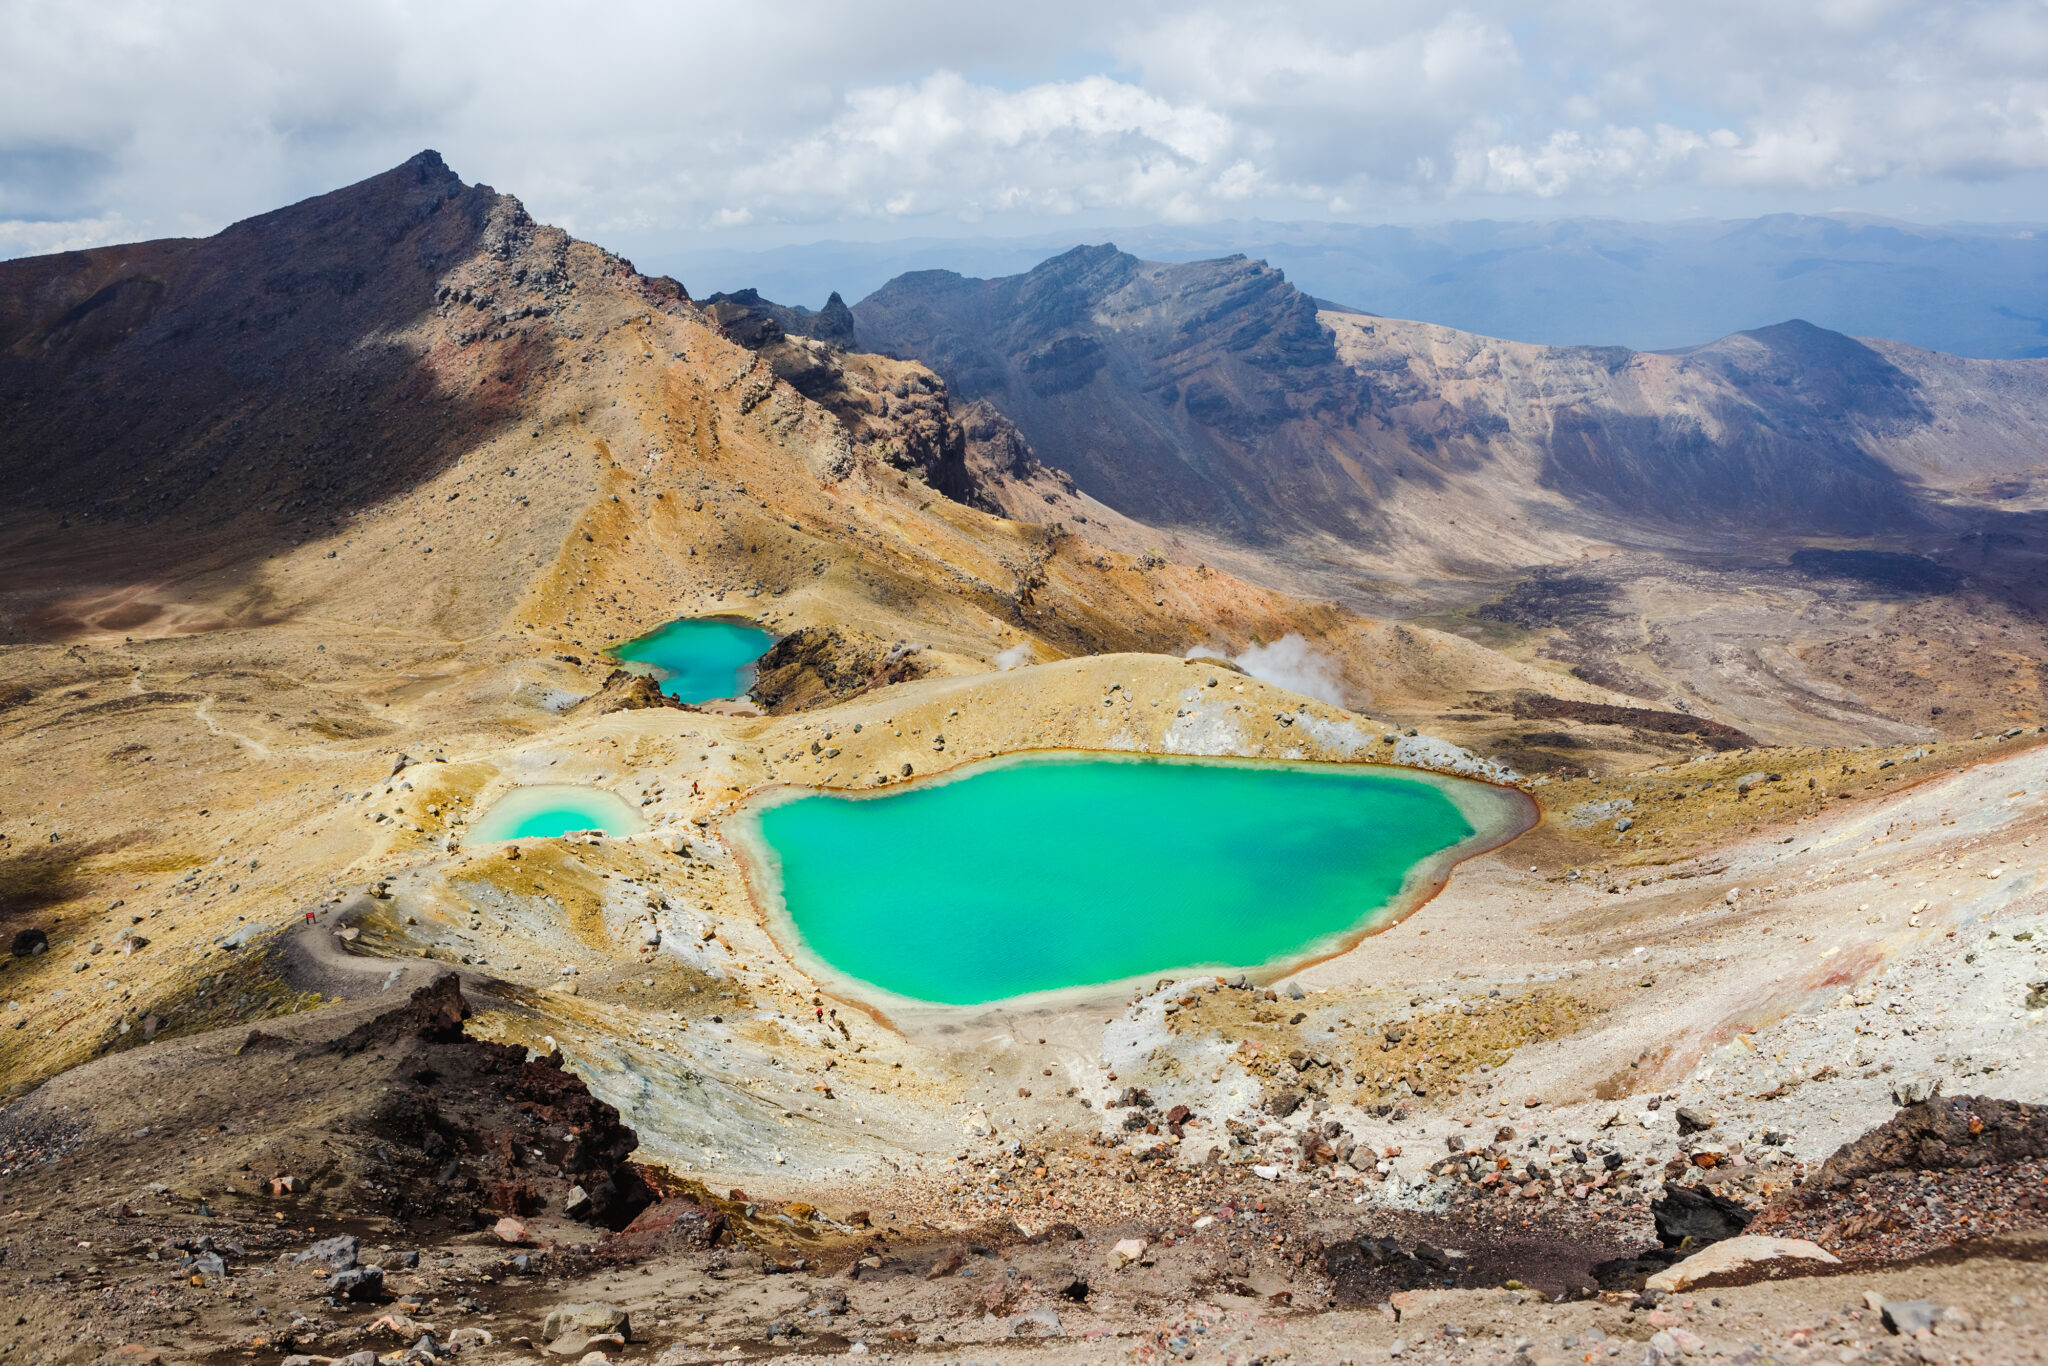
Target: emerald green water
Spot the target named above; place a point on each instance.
(1047, 872)
(549, 809)
(697, 659)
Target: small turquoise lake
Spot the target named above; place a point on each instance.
(1038, 873)
(549, 809)
(697, 659)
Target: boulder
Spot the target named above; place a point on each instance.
(1041, 1322)
(336, 1254)
(28, 943)
(1127, 1251)
(1907, 1317)
(1914, 1090)
(588, 1319)
(587, 1345)
(1703, 1216)
(362, 1283)
(1731, 1254)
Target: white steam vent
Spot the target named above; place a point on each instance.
(1290, 662)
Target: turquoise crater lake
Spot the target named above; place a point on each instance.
(697, 659)
(1043, 872)
(549, 809)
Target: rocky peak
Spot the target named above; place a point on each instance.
(834, 323)
(287, 370)
(1127, 373)
(757, 323)
(387, 205)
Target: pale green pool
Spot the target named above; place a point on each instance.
(1037, 873)
(549, 809)
(697, 659)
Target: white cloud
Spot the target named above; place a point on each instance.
(945, 144)
(643, 120)
(30, 237)
(1567, 161)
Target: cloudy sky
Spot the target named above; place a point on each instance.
(639, 124)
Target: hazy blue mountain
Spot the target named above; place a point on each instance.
(1966, 290)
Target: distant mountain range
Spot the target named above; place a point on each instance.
(1216, 397)
(1967, 290)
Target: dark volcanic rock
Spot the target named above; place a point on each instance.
(676, 1224)
(1889, 569)
(1945, 1132)
(1694, 1213)
(469, 1126)
(834, 324)
(358, 1283)
(1943, 1172)
(755, 322)
(1712, 734)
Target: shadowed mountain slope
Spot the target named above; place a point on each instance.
(258, 370)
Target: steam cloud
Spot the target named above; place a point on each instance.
(1291, 662)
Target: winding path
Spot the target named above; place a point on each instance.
(315, 960)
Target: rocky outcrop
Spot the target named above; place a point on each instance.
(1441, 756)
(899, 413)
(1941, 1133)
(755, 322)
(817, 665)
(624, 691)
(1940, 1172)
(473, 1129)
